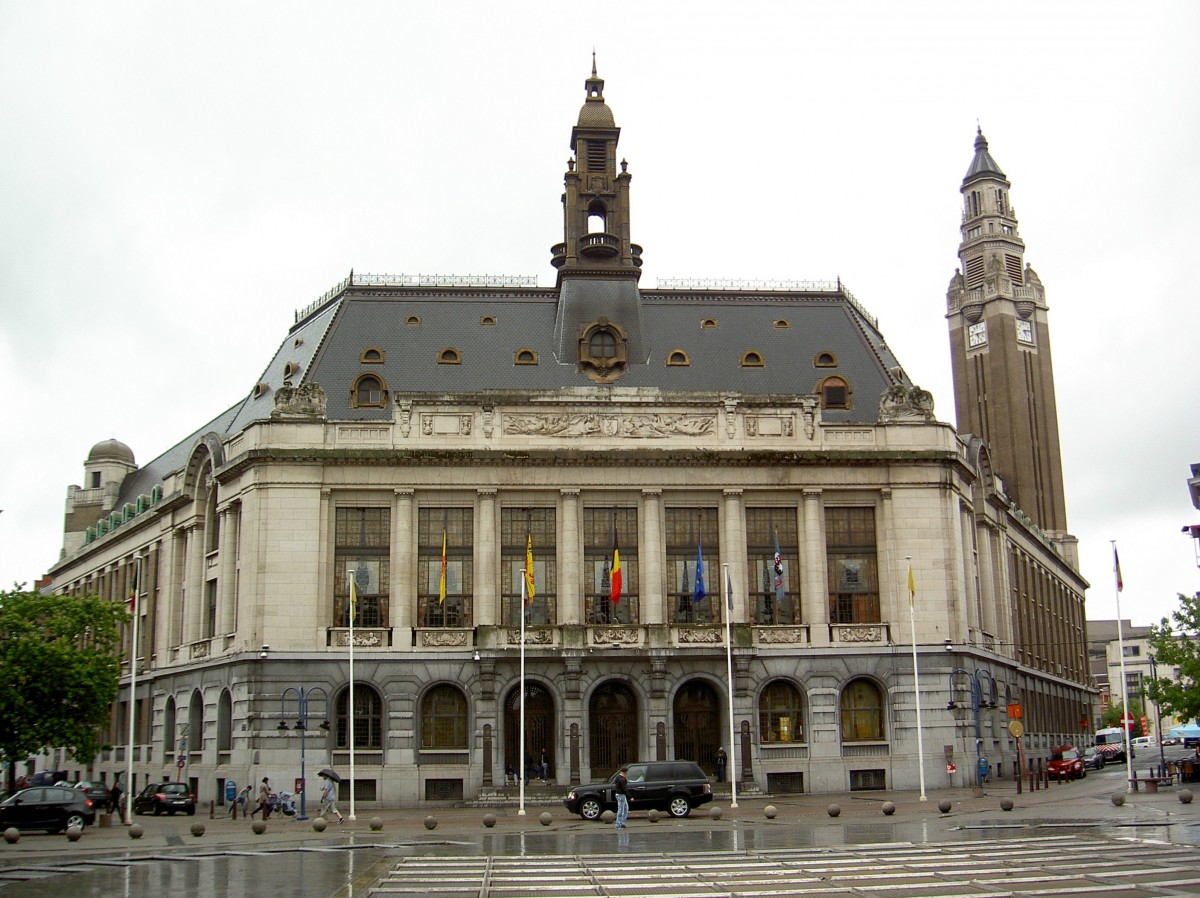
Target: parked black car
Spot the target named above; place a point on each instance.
(96, 791)
(672, 786)
(52, 808)
(164, 798)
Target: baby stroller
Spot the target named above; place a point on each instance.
(282, 802)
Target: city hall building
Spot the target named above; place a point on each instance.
(426, 438)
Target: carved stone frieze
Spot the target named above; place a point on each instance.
(610, 635)
(700, 635)
(405, 407)
(538, 636)
(781, 635)
(858, 633)
(629, 426)
(199, 650)
(305, 402)
(770, 426)
(446, 425)
(445, 638)
(363, 638)
(489, 415)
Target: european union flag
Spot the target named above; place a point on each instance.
(699, 593)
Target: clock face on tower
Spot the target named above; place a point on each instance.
(1025, 331)
(977, 334)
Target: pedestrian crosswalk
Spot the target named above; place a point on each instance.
(1046, 866)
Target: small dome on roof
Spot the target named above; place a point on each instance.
(595, 115)
(111, 450)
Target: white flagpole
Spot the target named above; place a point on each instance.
(350, 696)
(133, 650)
(1124, 682)
(733, 768)
(912, 622)
(522, 770)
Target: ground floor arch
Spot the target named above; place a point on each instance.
(612, 728)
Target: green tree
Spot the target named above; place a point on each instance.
(1175, 644)
(59, 672)
(1115, 712)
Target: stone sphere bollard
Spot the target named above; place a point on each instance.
(1118, 799)
(608, 817)
(73, 833)
(1185, 796)
(489, 820)
(258, 827)
(376, 824)
(833, 810)
(715, 812)
(319, 824)
(431, 822)
(197, 829)
(135, 831)
(12, 835)
(653, 816)
(1006, 804)
(945, 805)
(770, 811)
(888, 809)
(545, 819)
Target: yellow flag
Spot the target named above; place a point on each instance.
(528, 568)
(442, 581)
(912, 586)
(353, 600)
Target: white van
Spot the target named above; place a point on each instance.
(1143, 743)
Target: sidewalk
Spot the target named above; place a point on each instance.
(1079, 802)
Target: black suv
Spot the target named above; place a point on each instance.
(672, 786)
(169, 797)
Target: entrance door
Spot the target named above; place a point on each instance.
(612, 729)
(539, 729)
(697, 724)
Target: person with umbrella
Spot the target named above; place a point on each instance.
(329, 794)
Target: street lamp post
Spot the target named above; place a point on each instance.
(302, 696)
(1162, 757)
(978, 700)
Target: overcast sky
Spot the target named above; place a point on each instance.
(176, 179)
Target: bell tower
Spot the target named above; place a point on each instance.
(1000, 348)
(596, 197)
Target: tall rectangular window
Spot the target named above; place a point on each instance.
(606, 529)
(453, 530)
(773, 593)
(210, 609)
(524, 532)
(362, 549)
(853, 570)
(692, 540)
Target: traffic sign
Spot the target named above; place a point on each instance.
(181, 763)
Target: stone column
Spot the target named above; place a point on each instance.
(733, 552)
(650, 559)
(570, 560)
(230, 520)
(814, 597)
(403, 588)
(193, 621)
(486, 562)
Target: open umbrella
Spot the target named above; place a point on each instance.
(331, 774)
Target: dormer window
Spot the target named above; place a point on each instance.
(371, 356)
(369, 391)
(678, 358)
(449, 356)
(752, 359)
(412, 321)
(781, 324)
(487, 321)
(825, 360)
(708, 323)
(525, 357)
(834, 393)
(602, 350)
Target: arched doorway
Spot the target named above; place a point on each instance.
(697, 724)
(612, 728)
(539, 729)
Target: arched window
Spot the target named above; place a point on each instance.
(602, 344)
(412, 321)
(449, 356)
(677, 357)
(225, 722)
(168, 743)
(371, 356)
(781, 713)
(708, 323)
(444, 719)
(525, 357)
(862, 712)
(195, 735)
(368, 718)
(781, 324)
(752, 359)
(825, 360)
(597, 219)
(835, 393)
(369, 392)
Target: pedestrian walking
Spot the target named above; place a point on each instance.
(329, 798)
(114, 798)
(510, 775)
(264, 799)
(621, 784)
(240, 801)
(544, 767)
(722, 761)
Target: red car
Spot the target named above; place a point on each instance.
(1066, 762)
